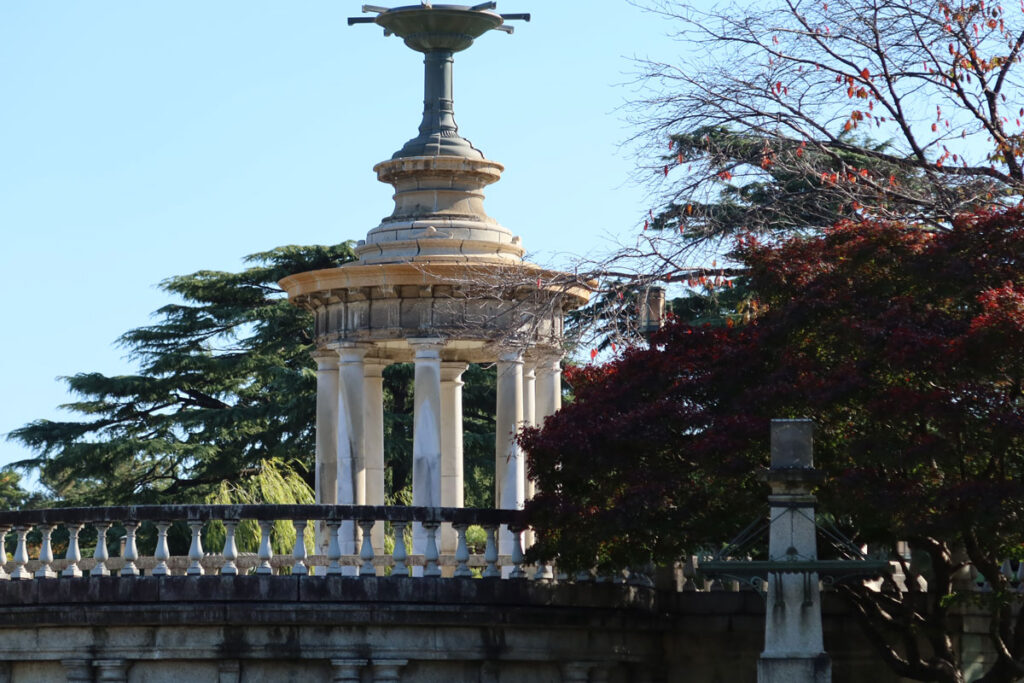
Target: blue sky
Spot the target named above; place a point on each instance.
(141, 140)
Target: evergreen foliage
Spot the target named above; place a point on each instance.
(226, 386)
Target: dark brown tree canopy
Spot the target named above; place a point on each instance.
(905, 347)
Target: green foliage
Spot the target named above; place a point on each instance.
(787, 187)
(12, 495)
(225, 386)
(225, 383)
(272, 482)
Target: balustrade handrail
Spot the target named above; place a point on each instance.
(343, 533)
(263, 512)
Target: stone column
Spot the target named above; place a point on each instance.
(548, 396)
(529, 420)
(426, 436)
(452, 491)
(549, 386)
(793, 647)
(509, 476)
(351, 464)
(529, 392)
(326, 474)
(373, 442)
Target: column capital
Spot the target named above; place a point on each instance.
(549, 358)
(451, 371)
(426, 347)
(349, 352)
(510, 355)
(326, 359)
(373, 367)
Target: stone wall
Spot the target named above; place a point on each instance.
(290, 628)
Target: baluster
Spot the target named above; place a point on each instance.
(366, 550)
(545, 572)
(131, 552)
(21, 555)
(100, 554)
(73, 555)
(45, 571)
(491, 553)
(195, 551)
(333, 548)
(641, 576)
(265, 553)
(4, 576)
(230, 548)
(461, 552)
(690, 574)
(432, 568)
(399, 554)
(517, 554)
(162, 553)
(1006, 569)
(299, 551)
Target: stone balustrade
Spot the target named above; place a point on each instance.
(328, 522)
(35, 555)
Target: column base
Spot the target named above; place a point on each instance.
(794, 669)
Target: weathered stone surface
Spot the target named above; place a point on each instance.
(281, 628)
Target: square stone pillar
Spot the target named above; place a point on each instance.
(452, 472)
(793, 647)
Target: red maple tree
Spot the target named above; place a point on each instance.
(905, 345)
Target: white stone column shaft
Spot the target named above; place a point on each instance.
(351, 463)
(549, 387)
(426, 438)
(509, 471)
(326, 472)
(548, 392)
(452, 477)
(529, 420)
(529, 393)
(326, 427)
(373, 443)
